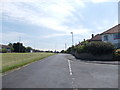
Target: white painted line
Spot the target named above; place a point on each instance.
(69, 67)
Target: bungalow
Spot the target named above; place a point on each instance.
(112, 35)
(8, 48)
(96, 38)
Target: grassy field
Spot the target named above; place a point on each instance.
(14, 60)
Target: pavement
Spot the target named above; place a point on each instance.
(70, 57)
(62, 71)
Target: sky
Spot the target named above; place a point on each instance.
(46, 24)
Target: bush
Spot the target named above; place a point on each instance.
(4, 50)
(97, 48)
(117, 56)
(118, 51)
(71, 49)
(81, 49)
(28, 49)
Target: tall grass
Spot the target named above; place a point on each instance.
(14, 60)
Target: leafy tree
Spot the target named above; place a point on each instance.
(10, 44)
(28, 49)
(18, 47)
(11, 47)
(62, 51)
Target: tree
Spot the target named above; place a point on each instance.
(62, 51)
(10, 44)
(18, 47)
(11, 47)
(28, 49)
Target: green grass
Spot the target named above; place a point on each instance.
(14, 60)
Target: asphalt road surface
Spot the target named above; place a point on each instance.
(62, 71)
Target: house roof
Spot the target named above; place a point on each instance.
(4, 46)
(115, 29)
(96, 38)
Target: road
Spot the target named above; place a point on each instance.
(62, 71)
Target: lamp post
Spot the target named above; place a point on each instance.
(72, 39)
(65, 46)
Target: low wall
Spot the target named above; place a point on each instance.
(88, 56)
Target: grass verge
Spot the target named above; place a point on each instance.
(12, 61)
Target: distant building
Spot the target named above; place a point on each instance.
(31, 51)
(8, 48)
(112, 35)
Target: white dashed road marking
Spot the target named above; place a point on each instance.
(71, 74)
(69, 65)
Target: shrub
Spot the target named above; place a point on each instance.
(71, 49)
(117, 56)
(81, 49)
(4, 50)
(118, 51)
(97, 48)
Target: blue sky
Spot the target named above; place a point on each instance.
(46, 24)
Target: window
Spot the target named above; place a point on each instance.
(117, 36)
(106, 38)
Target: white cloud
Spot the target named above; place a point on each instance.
(76, 31)
(51, 14)
(54, 35)
(103, 25)
(18, 0)
(101, 1)
(80, 30)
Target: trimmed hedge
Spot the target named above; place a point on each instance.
(95, 48)
(117, 54)
(99, 48)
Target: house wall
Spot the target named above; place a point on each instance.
(111, 39)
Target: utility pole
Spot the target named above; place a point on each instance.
(65, 46)
(19, 43)
(55, 47)
(72, 39)
(34, 46)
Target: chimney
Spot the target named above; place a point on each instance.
(92, 35)
(84, 40)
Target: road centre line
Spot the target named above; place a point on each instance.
(69, 65)
(71, 74)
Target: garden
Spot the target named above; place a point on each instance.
(95, 50)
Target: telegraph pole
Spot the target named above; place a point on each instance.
(65, 46)
(19, 43)
(34, 46)
(72, 39)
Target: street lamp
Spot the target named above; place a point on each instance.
(72, 38)
(65, 46)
